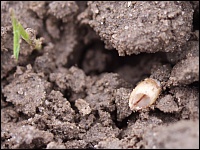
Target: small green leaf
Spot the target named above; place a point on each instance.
(16, 33)
(19, 31)
(16, 46)
(23, 33)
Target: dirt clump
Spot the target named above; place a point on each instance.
(26, 136)
(183, 74)
(27, 84)
(74, 92)
(173, 132)
(163, 26)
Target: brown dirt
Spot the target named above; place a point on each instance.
(74, 92)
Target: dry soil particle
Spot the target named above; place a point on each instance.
(61, 14)
(131, 137)
(110, 143)
(121, 101)
(98, 133)
(9, 114)
(190, 49)
(22, 92)
(188, 101)
(101, 95)
(56, 116)
(143, 122)
(103, 118)
(186, 65)
(38, 7)
(55, 145)
(180, 101)
(182, 134)
(115, 143)
(69, 9)
(134, 27)
(76, 144)
(87, 121)
(72, 80)
(185, 72)
(161, 72)
(83, 107)
(63, 49)
(26, 136)
(63, 131)
(167, 104)
(52, 27)
(62, 31)
(58, 106)
(44, 63)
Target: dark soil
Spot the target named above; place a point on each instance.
(74, 92)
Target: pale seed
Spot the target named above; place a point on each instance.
(144, 94)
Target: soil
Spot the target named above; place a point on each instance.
(74, 92)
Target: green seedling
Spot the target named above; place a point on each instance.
(27, 35)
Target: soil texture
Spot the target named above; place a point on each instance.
(74, 92)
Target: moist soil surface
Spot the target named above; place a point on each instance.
(74, 92)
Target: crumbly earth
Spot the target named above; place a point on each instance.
(74, 92)
(141, 26)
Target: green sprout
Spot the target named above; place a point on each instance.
(27, 35)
